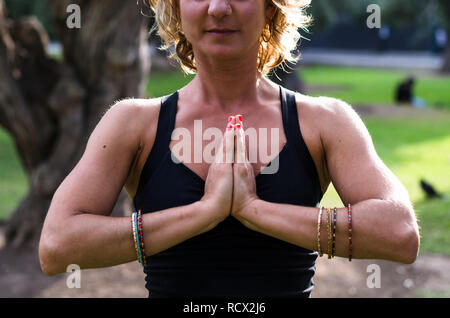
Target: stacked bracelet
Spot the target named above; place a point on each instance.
(331, 231)
(350, 249)
(138, 237)
(318, 232)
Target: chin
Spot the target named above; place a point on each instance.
(224, 52)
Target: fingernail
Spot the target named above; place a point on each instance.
(239, 117)
(230, 127)
(230, 118)
(238, 126)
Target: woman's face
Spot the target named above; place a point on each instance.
(223, 28)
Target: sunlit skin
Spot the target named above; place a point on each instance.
(79, 230)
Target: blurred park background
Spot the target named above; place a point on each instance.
(57, 81)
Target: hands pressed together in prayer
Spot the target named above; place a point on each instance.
(230, 186)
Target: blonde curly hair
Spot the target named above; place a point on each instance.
(278, 38)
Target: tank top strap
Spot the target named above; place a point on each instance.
(290, 118)
(284, 111)
(294, 135)
(166, 121)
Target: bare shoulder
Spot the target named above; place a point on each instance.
(331, 116)
(141, 120)
(133, 117)
(135, 112)
(325, 108)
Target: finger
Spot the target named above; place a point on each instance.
(226, 148)
(240, 146)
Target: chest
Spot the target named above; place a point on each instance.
(194, 136)
(196, 140)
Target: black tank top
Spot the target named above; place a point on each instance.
(229, 260)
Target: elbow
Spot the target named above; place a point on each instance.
(50, 257)
(407, 236)
(414, 248)
(410, 243)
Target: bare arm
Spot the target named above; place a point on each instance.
(384, 223)
(78, 228)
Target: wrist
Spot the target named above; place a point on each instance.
(207, 210)
(253, 205)
(248, 209)
(248, 216)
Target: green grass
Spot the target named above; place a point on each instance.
(165, 83)
(373, 86)
(13, 180)
(424, 293)
(59, 57)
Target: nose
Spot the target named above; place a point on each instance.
(219, 8)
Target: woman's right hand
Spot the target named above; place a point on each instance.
(217, 197)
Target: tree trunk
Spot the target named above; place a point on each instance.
(50, 108)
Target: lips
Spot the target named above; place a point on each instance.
(221, 33)
(221, 30)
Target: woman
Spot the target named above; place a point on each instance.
(226, 227)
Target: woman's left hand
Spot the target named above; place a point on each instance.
(244, 184)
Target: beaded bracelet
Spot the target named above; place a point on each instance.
(141, 238)
(350, 248)
(333, 246)
(329, 233)
(136, 227)
(318, 232)
(135, 236)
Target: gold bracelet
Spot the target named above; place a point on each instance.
(350, 234)
(318, 232)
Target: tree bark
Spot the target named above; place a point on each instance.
(51, 107)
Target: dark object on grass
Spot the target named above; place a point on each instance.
(429, 190)
(404, 93)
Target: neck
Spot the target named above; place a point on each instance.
(227, 87)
